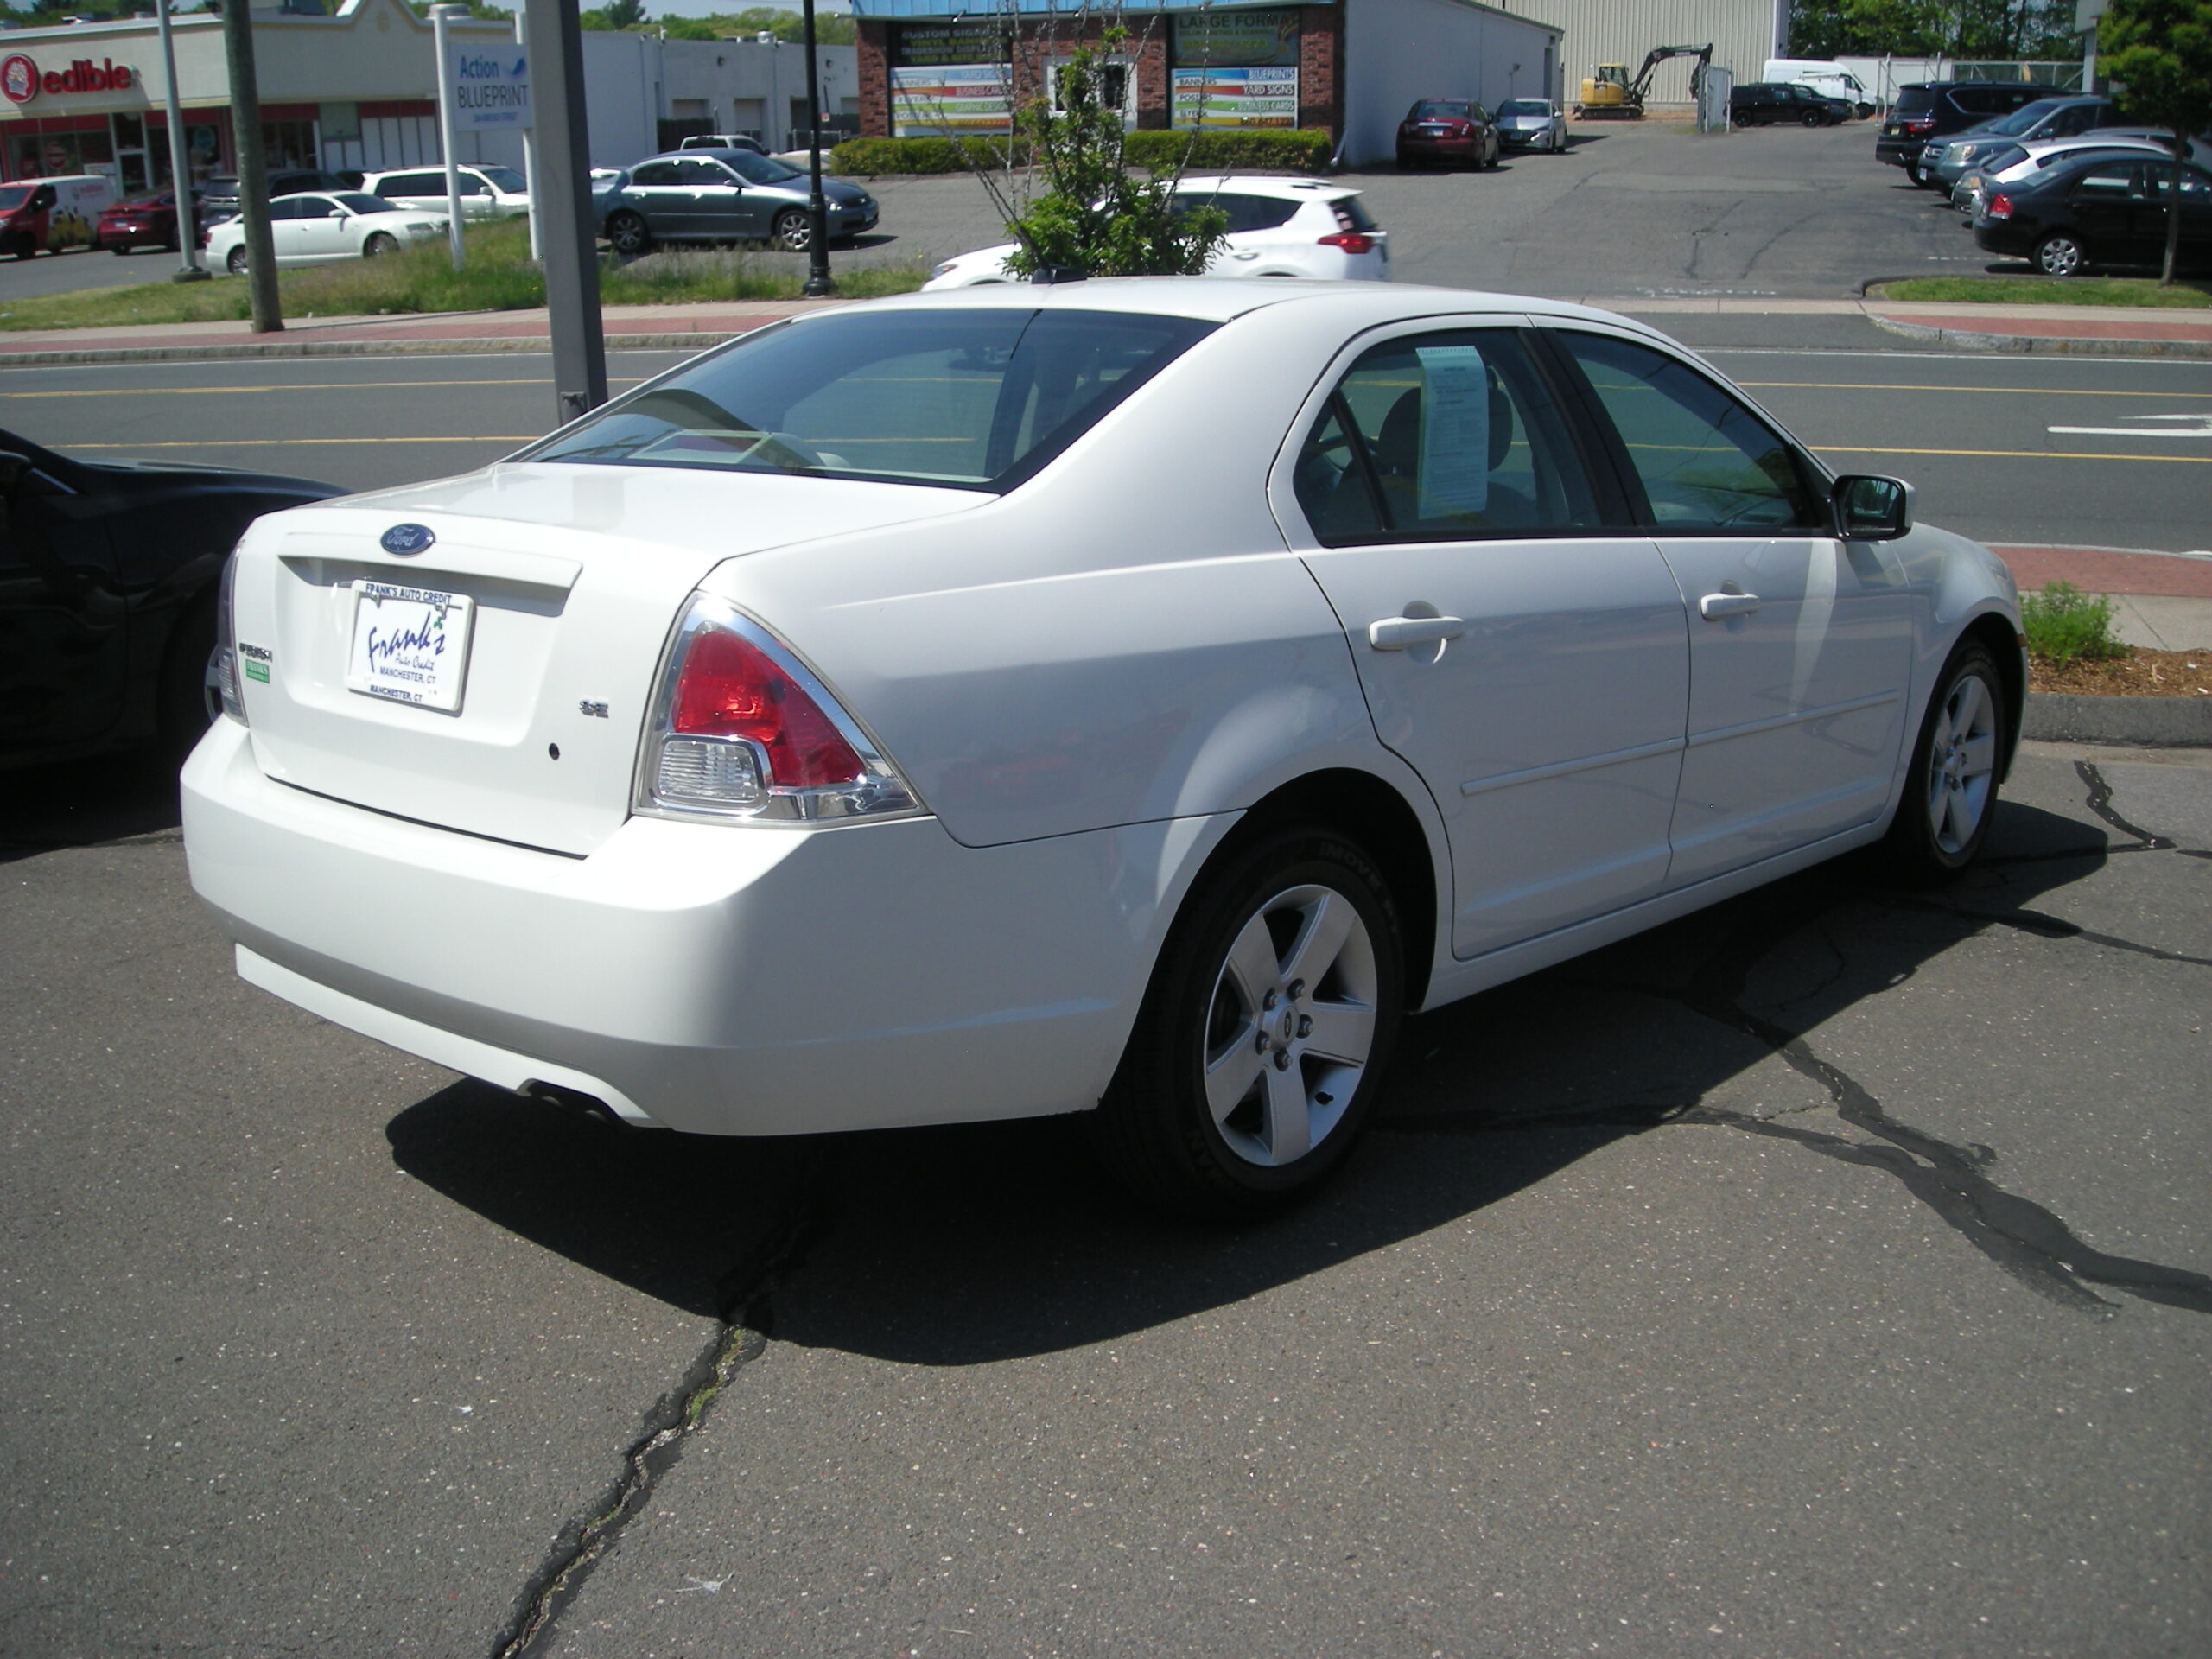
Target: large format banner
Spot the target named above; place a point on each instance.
(1205, 39)
(952, 79)
(1236, 98)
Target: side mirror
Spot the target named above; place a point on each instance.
(1870, 509)
(14, 469)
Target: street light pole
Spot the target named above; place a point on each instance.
(188, 220)
(818, 284)
(253, 168)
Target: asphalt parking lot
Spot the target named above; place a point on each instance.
(1826, 1274)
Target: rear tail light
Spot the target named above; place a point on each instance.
(1350, 241)
(1998, 206)
(1920, 124)
(226, 643)
(741, 728)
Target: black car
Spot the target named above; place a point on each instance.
(1932, 109)
(723, 195)
(2105, 210)
(108, 579)
(1763, 102)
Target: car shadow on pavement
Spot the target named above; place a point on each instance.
(967, 1244)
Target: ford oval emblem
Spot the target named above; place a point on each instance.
(406, 539)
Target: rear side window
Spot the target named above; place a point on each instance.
(414, 184)
(1245, 213)
(1705, 460)
(1453, 436)
(977, 399)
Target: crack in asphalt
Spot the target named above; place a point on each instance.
(742, 1337)
(2024, 1238)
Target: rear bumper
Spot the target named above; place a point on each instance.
(1899, 152)
(718, 979)
(1451, 149)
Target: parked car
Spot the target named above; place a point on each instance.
(53, 215)
(316, 229)
(1936, 109)
(1214, 672)
(1945, 159)
(486, 191)
(724, 195)
(2102, 212)
(724, 141)
(1443, 131)
(1761, 104)
(108, 578)
(142, 222)
(2014, 164)
(1532, 124)
(1277, 227)
(219, 196)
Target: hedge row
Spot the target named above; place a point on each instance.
(1306, 151)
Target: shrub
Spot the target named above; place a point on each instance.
(2064, 625)
(1305, 150)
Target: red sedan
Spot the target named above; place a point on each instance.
(1447, 130)
(142, 222)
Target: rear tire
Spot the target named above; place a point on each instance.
(628, 234)
(1261, 1045)
(236, 262)
(2061, 255)
(1950, 790)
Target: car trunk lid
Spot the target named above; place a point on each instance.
(538, 608)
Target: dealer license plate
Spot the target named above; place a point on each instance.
(411, 645)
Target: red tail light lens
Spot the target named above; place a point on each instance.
(728, 688)
(1350, 241)
(1920, 124)
(740, 729)
(1999, 207)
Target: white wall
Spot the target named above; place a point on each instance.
(1397, 51)
(632, 82)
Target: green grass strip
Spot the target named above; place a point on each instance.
(498, 277)
(2136, 291)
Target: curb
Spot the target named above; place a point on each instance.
(683, 341)
(2040, 344)
(2143, 723)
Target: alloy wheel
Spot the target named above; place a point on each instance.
(1291, 1026)
(1961, 763)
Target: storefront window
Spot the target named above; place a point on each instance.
(951, 80)
(290, 144)
(1236, 69)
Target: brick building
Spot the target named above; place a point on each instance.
(930, 68)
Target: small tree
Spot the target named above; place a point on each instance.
(2160, 51)
(1092, 215)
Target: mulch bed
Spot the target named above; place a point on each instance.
(2138, 674)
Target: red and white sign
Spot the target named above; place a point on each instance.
(22, 81)
(19, 79)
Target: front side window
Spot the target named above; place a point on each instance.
(1452, 436)
(1705, 460)
(654, 173)
(975, 399)
(760, 169)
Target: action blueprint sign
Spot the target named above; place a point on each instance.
(491, 88)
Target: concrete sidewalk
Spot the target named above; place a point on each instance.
(2102, 330)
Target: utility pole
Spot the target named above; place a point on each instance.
(253, 167)
(562, 194)
(441, 43)
(817, 213)
(188, 220)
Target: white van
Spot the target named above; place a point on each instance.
(486, 191)
(1823, 75)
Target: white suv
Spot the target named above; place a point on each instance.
(1277, 227)
(486, 191)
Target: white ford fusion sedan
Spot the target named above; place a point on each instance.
(1124, 696)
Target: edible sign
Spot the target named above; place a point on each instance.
(411, 645)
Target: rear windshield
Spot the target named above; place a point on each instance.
(1351, 216)
(1524, 106)
(976, 399)
(1913, 99)
(1438, 110)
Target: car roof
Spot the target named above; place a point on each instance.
(1351, 305)
(1254, 185)
(2107, 137)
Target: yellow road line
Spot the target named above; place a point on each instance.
(2006, 392)
(339, 385)
(2009, 455)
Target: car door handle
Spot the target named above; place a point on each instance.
(1243, 253)
(1400, 633)
(1713, 607)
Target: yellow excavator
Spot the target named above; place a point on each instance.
(1609, 95)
